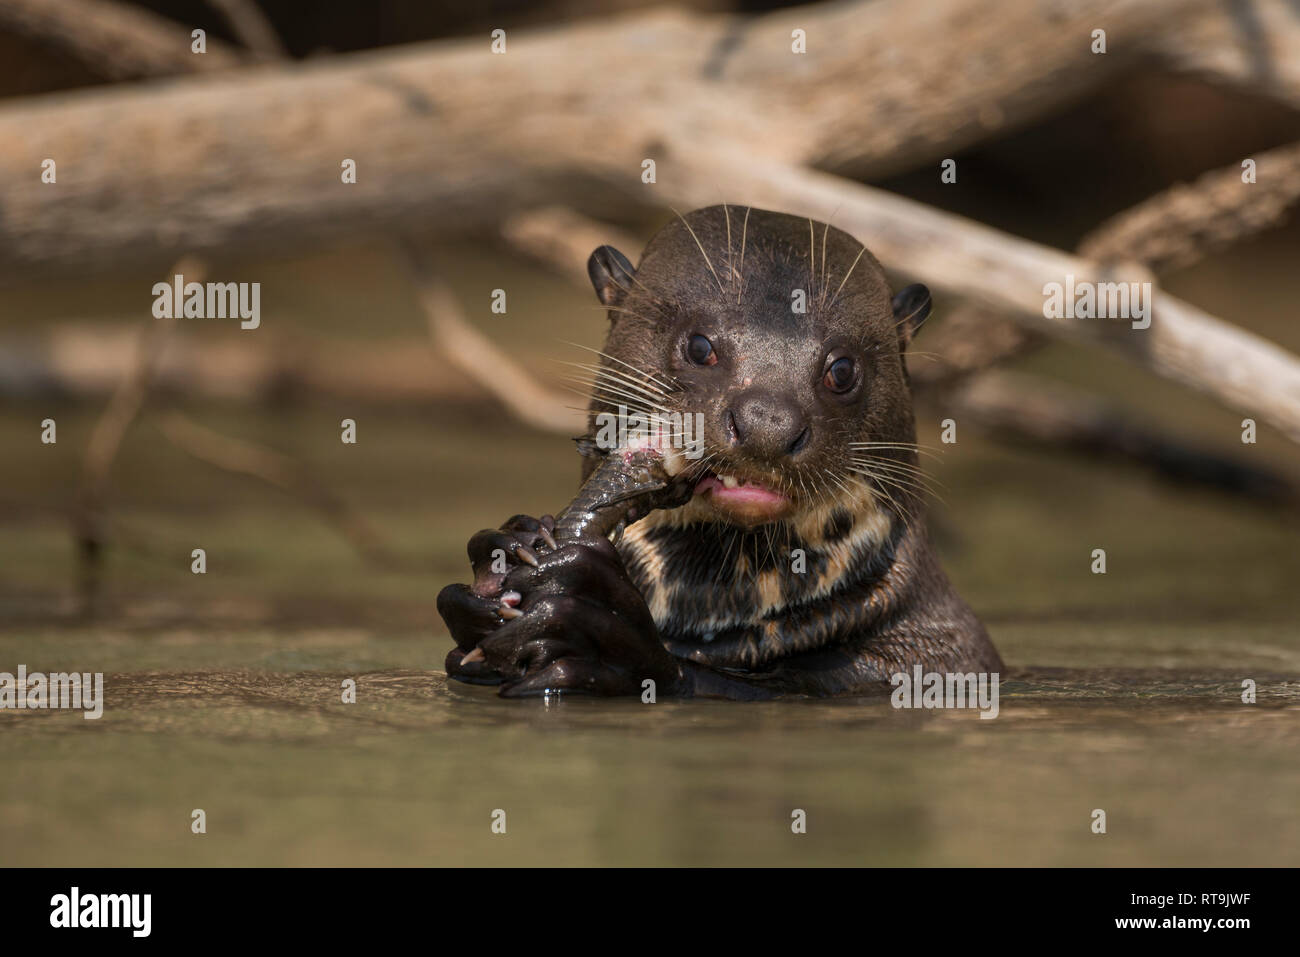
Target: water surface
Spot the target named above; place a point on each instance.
(412, 773)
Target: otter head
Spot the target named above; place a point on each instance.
(780, 337)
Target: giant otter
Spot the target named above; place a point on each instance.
(800, 562)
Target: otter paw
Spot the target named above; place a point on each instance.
(494, 552)
(580, 625)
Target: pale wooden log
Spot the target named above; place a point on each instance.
(146, 169)
(449, 137)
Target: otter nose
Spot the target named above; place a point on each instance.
(768, 424)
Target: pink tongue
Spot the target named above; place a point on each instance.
(756, 494)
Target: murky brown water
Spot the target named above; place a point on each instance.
(412, 773)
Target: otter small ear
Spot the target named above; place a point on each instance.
(611, 274)
(911, 307)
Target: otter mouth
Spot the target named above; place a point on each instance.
(742, 500)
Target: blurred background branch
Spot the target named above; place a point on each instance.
(119, 41)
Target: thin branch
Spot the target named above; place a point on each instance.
(106, 440)
(253, 28)
(563, 239)
(1186, 223)
(1253, 45)
(475, 355)
(275, 468)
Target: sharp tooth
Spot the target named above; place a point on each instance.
(728, 481)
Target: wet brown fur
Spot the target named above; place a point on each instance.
(873, 599)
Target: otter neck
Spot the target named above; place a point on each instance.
(737, 597)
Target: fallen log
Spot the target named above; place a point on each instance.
(449, 137)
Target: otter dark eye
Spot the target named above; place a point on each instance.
(700, 351)
(839, 376)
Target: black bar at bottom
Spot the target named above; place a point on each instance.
(935, 907)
